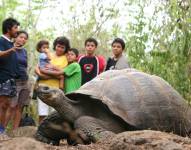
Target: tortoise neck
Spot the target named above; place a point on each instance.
(67, 109)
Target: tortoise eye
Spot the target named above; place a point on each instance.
(46, 88)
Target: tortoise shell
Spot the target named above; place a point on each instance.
(142, 100)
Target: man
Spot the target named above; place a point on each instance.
(8, 67)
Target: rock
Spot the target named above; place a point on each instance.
(26, 131)
(4, 137)
(22, 143)
(149, 140)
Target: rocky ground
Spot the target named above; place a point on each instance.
(22, 139)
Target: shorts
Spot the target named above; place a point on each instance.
(8, 88)
(44, 109)
(22, 97)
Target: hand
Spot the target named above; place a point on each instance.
(48, 66)
(46, 50)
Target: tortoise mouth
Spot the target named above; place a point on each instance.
(44, 95)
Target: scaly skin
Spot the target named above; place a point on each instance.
(72, 113)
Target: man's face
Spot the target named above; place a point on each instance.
(117, 49)
(90, 48)
(13, 31)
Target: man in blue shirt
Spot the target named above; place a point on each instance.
(8, 67)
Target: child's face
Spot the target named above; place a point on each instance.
(60, 49)
(71, 57)
(117, 49)
(90, 48)
(44, 48)
(21, 39)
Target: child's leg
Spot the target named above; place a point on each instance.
(61, 83)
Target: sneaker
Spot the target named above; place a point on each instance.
(2, 129)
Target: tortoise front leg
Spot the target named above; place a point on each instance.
(91, 129)
(52, 129)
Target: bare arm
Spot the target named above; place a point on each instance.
(61, 83)
(54, 73)
(52, 67)
(40, 74)
(9, 51)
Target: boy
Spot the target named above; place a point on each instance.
(91, 65)
(118, 61)
(72, 73)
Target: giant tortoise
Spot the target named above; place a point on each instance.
(114, 102)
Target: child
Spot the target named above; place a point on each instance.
(118, 61)
(91, 65)
(72, 73)
(44, 59)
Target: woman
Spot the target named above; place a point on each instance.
(59, 60)
(22, 97)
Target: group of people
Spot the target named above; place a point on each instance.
(62, 68)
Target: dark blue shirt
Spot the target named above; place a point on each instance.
(110, 64)
(8, 64)
(22, 64)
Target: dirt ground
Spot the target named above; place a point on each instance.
(132, 140)
(27, 143)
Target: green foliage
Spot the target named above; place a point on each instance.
(95, 17)
(169, 56)
(6, 8)
(177, 46)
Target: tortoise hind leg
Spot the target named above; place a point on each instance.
(91, 129)
(51, 129)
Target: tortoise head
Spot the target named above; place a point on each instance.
(49, 95)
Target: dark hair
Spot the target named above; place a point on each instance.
(91, 40)
(76, 52)
(22, 32)
(8, 24)
(62, 40)
(120, 41)
(40, 44)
